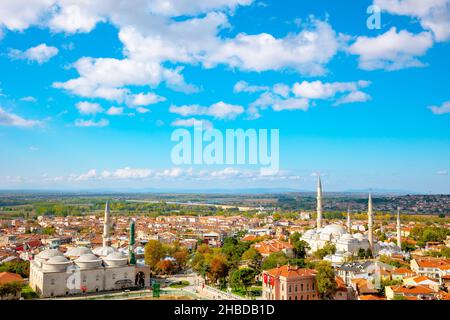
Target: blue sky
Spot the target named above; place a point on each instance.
(90, 92)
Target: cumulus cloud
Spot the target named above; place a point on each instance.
(144, 99)
(433, 15)
(40, 54)
(392, 50)
(20, 14)
(86, 108)
(115, 111)
(440, 110)
(91, 123)
(243, 86)
(442, 173)
(177, 173)
(192, 122)
(302, 95)
(13, 120)
(306, 52)
(220, 110)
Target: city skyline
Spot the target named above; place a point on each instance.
(90, 94)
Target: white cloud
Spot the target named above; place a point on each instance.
(243, 86)
(301, 95)
(322, 90)
(29, 99)
(115, 111)
(74, 16)
(440, 110)
(91, 123)
(442, 173)
(91, 174)
(191, 122)
(20, 14)
(142, 99)
(392, 50)
(433, 15)
(13, 120)
(307, 51)
(142, 110)
(85, 107)
(127, 173)
(33, 148)
(106, 78)
(220, 110)
(40, 54)
(352, 97)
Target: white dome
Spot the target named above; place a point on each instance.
(77, 251)
(334, 229)
(103, 251)
(88, 257)
(48, 253)
(115, 259)
(56, 264)
(57, 260)
(358, 236)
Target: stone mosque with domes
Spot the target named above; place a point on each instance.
(347, 244)
(82, 270)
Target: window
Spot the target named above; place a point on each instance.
(290, 289)
(313, 286)
(114, 276)
(52, 282)
(125, 275)
(295, 289)
(307, 286)
(301, 287)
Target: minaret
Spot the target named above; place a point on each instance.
(106, 227)
(370, 224)
(399, 229)
(319, 203)
(131, 242)
(349, 221)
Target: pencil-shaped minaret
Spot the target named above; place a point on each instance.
(319, 202)
(370, 222)
(106, 226)
(349, 221)
(399, 229)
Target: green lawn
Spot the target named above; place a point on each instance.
(179, 284)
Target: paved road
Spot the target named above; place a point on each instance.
(196, 286)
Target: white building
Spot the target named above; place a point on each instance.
(80, 270)
(347, 244)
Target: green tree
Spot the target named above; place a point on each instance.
(327, 249)
(253, 258)
(274, 260)
(243, 278)
(154, 252)
(10, 289)
(326, 281)
(19, 267)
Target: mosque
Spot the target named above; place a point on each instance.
(347, 244)
(82, 270)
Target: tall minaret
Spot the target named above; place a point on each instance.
(106, 226)
(349, 221)
(399, 229)
(370, 224)
(319, 202)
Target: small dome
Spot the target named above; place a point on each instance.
(88, 257)
(103, 251)
(57, 260)
(77, 251)
(48, 253)
(334, 229)
(358, 236)
(115, 259)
